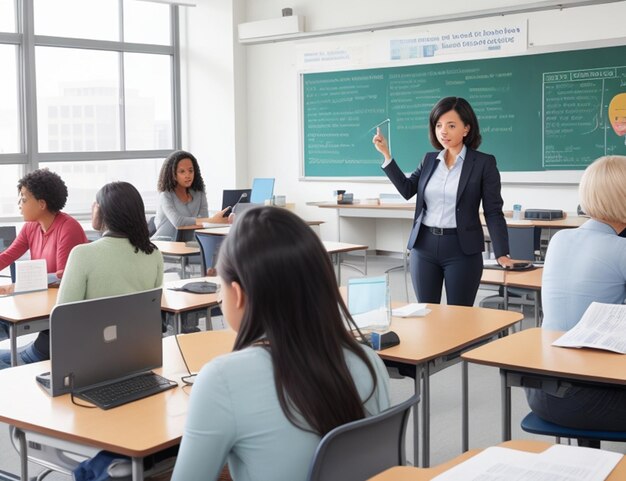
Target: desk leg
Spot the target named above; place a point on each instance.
(426, 417)
(416, 423)
(506, 407)
(21, 436)
(183, 267)
(464, 408)
(13, 343)
(137, 469)
(365, 262)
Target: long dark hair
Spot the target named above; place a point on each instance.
(167, 176)
(294, 309)
(465, 111)
(122, 212)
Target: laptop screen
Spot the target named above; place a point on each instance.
(262, 190)
(104, 339)
(234, 196)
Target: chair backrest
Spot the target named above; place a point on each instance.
(151, 226)
(209, 247)
(8, 233)
(363, 448)
(522, 243)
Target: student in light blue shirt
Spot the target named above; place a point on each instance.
(295, 373)
(582, 266)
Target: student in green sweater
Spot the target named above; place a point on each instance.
(121, 262)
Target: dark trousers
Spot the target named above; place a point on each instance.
(436, 259)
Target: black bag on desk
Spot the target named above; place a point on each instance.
(201, 287)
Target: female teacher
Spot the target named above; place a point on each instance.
(447, 240)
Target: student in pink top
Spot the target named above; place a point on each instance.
(47, 232)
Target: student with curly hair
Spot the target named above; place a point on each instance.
(182, 199)
(48, 233)
(122, 261)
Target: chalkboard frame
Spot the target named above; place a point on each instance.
(544, 177)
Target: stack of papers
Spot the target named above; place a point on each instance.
(557, 463)
(603, 326)
(411, 310)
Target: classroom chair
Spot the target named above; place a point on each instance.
(363, 448)
(209, 247)
(535, 425)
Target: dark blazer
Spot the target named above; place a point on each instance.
(479, 181)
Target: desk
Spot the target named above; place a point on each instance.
(382, 227)
(30, 312)
(178, 302)
(410, 473)
(335, 249)
(26, 313)
(436, 341)
(177, 249)
(529, 355)
(528, 280)
(137, 429)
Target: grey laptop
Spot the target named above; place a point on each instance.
(101, 340)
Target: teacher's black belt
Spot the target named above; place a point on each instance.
(440, 230)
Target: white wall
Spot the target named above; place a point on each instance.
(213, 93)
(270, 100)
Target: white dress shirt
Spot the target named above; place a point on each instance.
(440, 192)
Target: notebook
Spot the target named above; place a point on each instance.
(103, 340)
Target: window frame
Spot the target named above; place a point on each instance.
(26, 41)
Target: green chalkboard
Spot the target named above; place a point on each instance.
(536, 112)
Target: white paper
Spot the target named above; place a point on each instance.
(410, 310)
(603, 326)
(31, 275)
(557, 463)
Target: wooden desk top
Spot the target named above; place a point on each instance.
(339, 247)
(29, 306)
(181, 301)
(176, 248)
(135, 429)
(218, 231)
(531, 351)
(526, 279)
(410, 473)
(445, 330)
(569, 222)
(38, 305)
(410, 206)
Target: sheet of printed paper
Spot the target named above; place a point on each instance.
(603, 326)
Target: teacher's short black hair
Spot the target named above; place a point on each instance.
(465, 111)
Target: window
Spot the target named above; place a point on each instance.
(142, 173)
(69, 79)
(93, 19)
(7, 16)
(9, 101)
(9, 176)
(95, 99)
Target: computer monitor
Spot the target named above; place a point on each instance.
(104, 339)
(262, 190)
(234, 196)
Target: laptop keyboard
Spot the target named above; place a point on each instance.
(122, 392)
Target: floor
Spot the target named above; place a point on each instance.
(484, 383)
